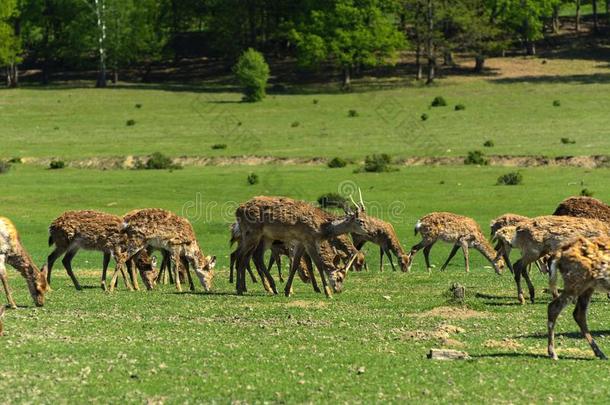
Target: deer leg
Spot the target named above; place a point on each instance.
(530, 286)
(454, 250)
(120, 267)
(7, 290)
(427, 250)
(105, 263)
(167, 264)
(251, 273)
(259, 262)
(133, 277)
(508, 263)
(244, 254)
(415, 249)
(296, 259)
(231, 265)
(580, 316)
(55, 254)
(466, 256)
(186, 267)
(319, 262)
(518, 267)
(278, 261)
(67, 262)
(176, 260)
(312, 276)
(389, 255)
(554, 309)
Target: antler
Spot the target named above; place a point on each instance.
(351, 261)
(361, 201)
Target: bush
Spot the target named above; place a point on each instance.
(556, 103)
(131, 123)
(315, 101)
(378, 164)
(330, 200)
(295, 124)
(219, 146)
(16, 160)
(460, 107)
(510, 179)
(439, 102)
(424, 117)
(337, 162)
(489, 144)
(586, 192)
(158, 161)
(567, 141)
(252, 73)
(252, 178)
(476, 157)
(4, 166)
(56, 164)
(138, 106)
(352, 113)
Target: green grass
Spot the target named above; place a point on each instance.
(519, 117)
(164, 347)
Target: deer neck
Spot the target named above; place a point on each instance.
(22, 262)
(336, 227)
(486, 250)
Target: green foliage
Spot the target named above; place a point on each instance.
(567, 141)
(424, 117)
(130, 123)
(295, 124)
(331, 200)
(219, 146)
(253, 179)
(585, 192)
(10, 45)
(337, 162)
(158, 161)
(439, 101)
(252, 72)
(378, 163)
(510, 179)
(476, 157)
(16, 160)
(489, 143)
(57, 164)
(460, 107)
(556, 103)
(352, 113)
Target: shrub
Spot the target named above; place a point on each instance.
(476, 157)
(56, 164)
(586, 192)
(489, 144)
(337, 162)
(352, 113)
(4, 166)
(295, 124)
(16, 160)
(330, 200)
(252, 73)
(138, 106)
(438, 101)
(556, 103)
(219, 146)
(378, 164)
(158, 161)
(315, 101)
(252, 178)
(460, 107)
(424, 117)
(510, 179)
(567, 141)
(131, 123)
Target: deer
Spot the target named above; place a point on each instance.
(461, 231)
(97, 231)
(544, 235)
(584, 207)
(2, 311)
(161, 229)
(383, 234)
(13, 253)
(584, 265)
(266, 219)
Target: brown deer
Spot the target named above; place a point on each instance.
(541, 236)
(383, 234)
(461, 231)
(164, 230)
(98, 231)
(14, 254)
(266, 219)
(584, 207)
(584, 265)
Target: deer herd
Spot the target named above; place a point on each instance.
(573, 242)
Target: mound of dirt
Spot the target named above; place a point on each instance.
(450, 313)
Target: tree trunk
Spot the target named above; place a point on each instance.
(101, 25)
(418, 64)
(479, 63)
(347, 78)
(448, 58)
(430, 50)
(608, 11)
(577, 15)
(555, 23)
(12, 76)
(115, 75)
(595, 20)
(530, 47)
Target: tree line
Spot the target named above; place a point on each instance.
(110, 35)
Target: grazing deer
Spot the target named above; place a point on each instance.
(541, 236)
(14, 254)
(98, 231)
(461, 231)
(584, 207)
(266, 219)
(383, 234)
(162, 229)
(584, 265)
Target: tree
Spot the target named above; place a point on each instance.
(350, 33)
(10, 44)
(252, 72)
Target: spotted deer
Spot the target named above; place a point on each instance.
(382, 233)
(13, 253)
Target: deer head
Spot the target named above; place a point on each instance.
(354, 220)
(148, 271)
(38, 285)
(204, 268)
(338, 273)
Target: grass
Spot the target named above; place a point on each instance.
(161, 346)
(518, 114)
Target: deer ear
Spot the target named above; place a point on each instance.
(44, 271)
(211, 262)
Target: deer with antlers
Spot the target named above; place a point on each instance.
(267, 219)
(461, 231)
(14, 254)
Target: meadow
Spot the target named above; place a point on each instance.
(367, 344)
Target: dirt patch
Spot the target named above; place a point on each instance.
(450, 313)
(505, 343)
(306, 304)
(443, 334)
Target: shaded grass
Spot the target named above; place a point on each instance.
(161, 346)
